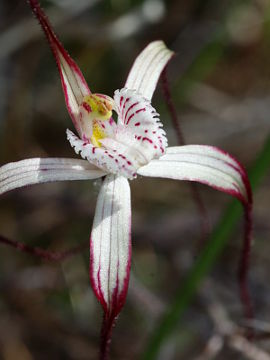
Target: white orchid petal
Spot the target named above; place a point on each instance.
(110, 244)
(73, 82)
(34, 171)
(204, 164)
(148, 66)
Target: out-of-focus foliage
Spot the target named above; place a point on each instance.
(221, 85)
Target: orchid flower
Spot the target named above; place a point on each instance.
(119, 138)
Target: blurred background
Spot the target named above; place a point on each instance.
(220, 81)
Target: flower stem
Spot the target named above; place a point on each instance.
(205, 226)
(244, 267)
(168, 98)
(44, 254)
(106, 336)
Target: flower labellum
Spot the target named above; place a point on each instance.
(120, 138)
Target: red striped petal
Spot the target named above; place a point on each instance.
(110, 245)
(204, 164)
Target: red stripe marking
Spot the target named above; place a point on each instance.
(121, 99)
(140, 110)
(126, 101)
(131, 107)
(130, 117)
(87, 107)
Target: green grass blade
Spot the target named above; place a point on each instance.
(206, 260)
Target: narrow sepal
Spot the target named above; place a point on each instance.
(74, 85)
(34, 171)
(110, 245)
(148, 66)
(205, 164)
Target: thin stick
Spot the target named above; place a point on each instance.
(244, 267)
(205, 226)
(245, 257)
(106, 336)
(41, 253)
